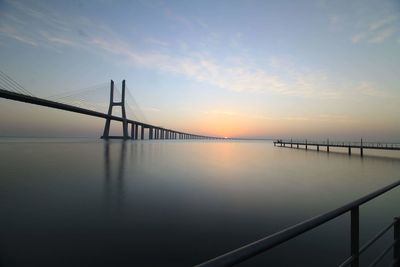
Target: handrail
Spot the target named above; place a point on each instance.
(259, 246)
(368, 244)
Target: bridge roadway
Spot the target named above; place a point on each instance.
(349, 145)
(155, 132)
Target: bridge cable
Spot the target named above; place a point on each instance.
(136, 106)
(9, 87)
(16, 84)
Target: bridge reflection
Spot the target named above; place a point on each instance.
(114, 178)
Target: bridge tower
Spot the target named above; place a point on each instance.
(106, 133)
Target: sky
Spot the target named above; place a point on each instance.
(279, 69)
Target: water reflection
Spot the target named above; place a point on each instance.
(114, 179)
(155, 203)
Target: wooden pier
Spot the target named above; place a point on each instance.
(328, 144)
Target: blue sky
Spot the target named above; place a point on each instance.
(231, 68)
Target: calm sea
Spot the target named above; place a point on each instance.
(67, 202)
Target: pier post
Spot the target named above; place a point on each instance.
(142, 132)
(317, 147)
(150, 133)
(327, 145)
(306, 145)
(349, 150)
(291, 143)
(136, 131)
(297, 145)
(362, 151)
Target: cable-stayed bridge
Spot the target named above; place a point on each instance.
(89, 102)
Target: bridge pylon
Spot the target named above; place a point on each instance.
(106, 133)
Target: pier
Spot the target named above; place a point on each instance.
(326, 145)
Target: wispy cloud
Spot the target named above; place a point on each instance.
(11, 32)
(52, 29)
(377, 31)
(178, 18)
(369, 89)
(150, 109)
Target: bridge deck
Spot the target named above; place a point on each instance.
(53, 104)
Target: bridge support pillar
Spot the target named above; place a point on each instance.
(136, 131)
(150, 133)
(142, 132)
(132, 131)
(106, 132)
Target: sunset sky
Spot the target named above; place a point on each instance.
(296, 69)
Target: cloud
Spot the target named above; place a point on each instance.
(150, 109)
(11, 32)
(369, 89)
(157, 42)
(177, 18)
(377, 31)
(41, 26)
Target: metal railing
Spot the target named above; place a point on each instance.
(248, 251)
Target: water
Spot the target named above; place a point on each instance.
(179, 203)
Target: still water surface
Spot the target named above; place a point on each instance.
(178, 203)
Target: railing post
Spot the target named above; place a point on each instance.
(396, 247)
(355, 235)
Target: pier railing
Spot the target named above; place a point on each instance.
(248, 251)
(364, 144)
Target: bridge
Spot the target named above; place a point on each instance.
(10, 89)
